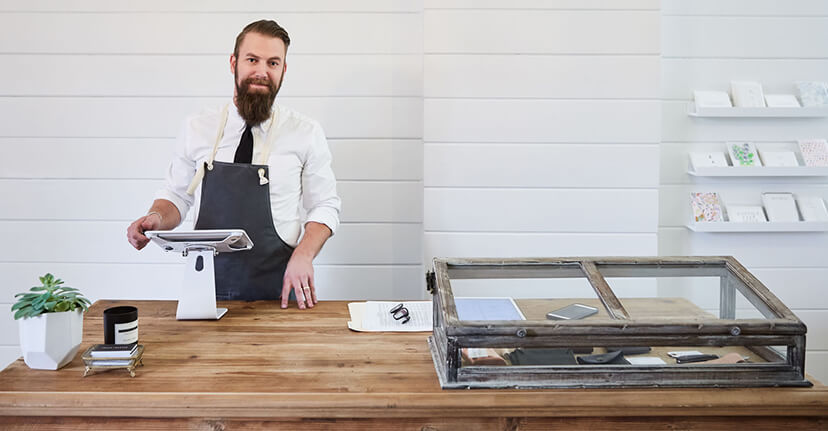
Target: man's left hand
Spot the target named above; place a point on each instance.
(299, 271)
(299, 277)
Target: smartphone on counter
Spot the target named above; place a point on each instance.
(572, 312)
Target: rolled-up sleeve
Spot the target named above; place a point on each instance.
(179, 174)
(319, 184)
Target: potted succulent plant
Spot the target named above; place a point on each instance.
(51, 323)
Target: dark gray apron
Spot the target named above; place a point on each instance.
(233, 197)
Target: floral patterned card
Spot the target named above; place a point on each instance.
(743, 154)
(814, 152)
(706, 207)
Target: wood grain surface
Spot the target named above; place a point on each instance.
(263, 363)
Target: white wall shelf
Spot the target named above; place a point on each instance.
(739, 112)
(758, 171)
(803, 226)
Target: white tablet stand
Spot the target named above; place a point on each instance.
(198, 295)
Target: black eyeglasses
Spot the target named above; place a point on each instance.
(400, 313)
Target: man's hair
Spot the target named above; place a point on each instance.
(264, 27)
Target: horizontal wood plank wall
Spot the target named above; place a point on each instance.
(541, 128)
(705, 45)
(93, 94)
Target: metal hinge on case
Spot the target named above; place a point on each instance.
(262, 179)
(430, 282)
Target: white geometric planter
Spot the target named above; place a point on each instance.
(51, 340)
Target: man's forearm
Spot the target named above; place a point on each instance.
(312, 241)
(170, 217)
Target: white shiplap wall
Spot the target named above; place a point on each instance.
(705, 45)
(541, 128)
(93, 92)
(541, 119)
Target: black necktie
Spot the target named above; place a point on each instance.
(244, 154)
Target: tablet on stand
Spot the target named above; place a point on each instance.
(198, 294)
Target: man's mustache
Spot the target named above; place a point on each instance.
(257, 81)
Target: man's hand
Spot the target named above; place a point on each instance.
(135, 231)
(299, 271)
(162, 216)
(299, 277)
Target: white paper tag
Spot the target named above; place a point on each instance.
(679, 353)
(126, 333)
(475, 353)
(647, 360)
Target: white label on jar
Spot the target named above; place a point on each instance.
(126, 333)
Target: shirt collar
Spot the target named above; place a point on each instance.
(236, 123)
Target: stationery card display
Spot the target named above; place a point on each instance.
(780, 207)
(812, 93)
(778, 158)
(812, 208)
(707, 207)
(781, 101)
(778, 211)
(745, 214)
(711, 99)
(708, 159)
(743, 154)
(814, 152)
(747, 94)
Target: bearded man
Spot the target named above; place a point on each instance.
(253, 164)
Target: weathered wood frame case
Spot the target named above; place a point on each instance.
(779, 328)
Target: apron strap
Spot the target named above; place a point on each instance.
(264, 156)
(199, 175)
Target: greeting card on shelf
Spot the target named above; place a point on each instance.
(712, 99)
(743, 154)
(707, 207)
(812, 208)
(778, 158)
(812, 93)
(814, 152)
(708, 160)
(780, 207)
(747, 94)
(781, 101)
(746, 214)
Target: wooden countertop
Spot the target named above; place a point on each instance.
(264, 362)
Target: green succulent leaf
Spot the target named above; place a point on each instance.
(23, 312)
(51, 296)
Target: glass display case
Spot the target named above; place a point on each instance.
(610, 322)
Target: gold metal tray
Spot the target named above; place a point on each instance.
(132, 362)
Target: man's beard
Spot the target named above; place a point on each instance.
(254, 106)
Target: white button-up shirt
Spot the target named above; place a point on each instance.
(300, 167)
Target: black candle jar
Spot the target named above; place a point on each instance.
(121, 325)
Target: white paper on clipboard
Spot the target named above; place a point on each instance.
(374, 316)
